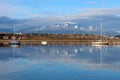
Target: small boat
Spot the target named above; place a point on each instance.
(44, 43)
(100, 43)
(14, 42)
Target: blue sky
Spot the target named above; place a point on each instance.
(45, 8)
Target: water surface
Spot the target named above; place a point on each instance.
(60, 62)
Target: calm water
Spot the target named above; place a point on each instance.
(60, 62)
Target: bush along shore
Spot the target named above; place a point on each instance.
(7, 37)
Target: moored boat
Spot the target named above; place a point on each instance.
(14, 42)
(44, 42)
(101, 41)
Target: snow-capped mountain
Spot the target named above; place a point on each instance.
(91, 25)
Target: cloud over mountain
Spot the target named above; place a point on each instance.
(85, 18)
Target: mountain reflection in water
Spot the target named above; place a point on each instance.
(51, 58)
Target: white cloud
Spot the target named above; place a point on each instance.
(17, 11)
(102, 11)
(82, 14)
(86, 13)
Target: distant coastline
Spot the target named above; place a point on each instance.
(58, 38)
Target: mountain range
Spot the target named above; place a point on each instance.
(90, 25)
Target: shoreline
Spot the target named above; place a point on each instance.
(111, 42)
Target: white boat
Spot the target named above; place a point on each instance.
(101, 41)
(44, 42)
(14, 42)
